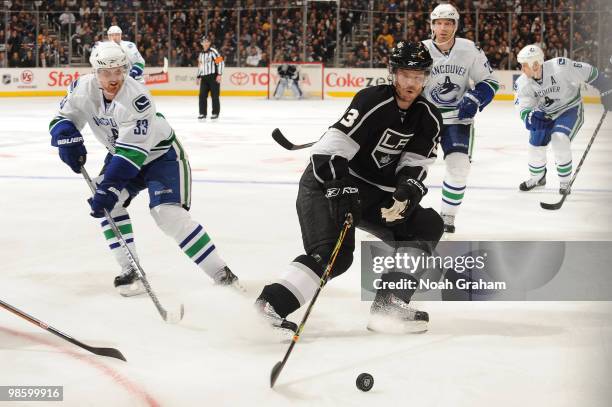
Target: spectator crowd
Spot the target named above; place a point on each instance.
(255, 32)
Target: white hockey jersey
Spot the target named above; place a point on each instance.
(129, 126)
(557, 91)
(131, 50)
(451, 74)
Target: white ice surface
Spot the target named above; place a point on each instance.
(56, 266)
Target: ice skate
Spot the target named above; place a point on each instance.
(129, 284)
(449, 223)
(564, 186)
(533, 182)
(268, 312)
(225, 277)
(389, 314)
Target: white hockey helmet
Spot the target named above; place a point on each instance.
(108, 54)
(530, 54)
(114, 29)
(444, 11)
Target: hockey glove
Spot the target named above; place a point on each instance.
(537, 120)
(603, 83)
(69, 141)
(106, 197)
(468, 106)
(343, 197)
(136, 72)
(406, 198)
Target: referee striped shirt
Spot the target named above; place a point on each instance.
(210, 62)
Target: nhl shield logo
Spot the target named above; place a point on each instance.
(6, 79)
(389, 147)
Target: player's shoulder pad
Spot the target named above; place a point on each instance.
(428, 43)
(135, 101)
(141, 103)
(464, 44)
(81, 85)
(430, 111)
(371, 96)
(520, 82)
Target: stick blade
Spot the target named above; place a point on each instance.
(275, 373)
(175, 317)
(551, 206)
(277, 135)
(108, 352)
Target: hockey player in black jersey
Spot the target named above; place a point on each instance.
(377, 156)
(288, 77)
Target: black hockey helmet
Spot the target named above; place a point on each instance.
(410, 55)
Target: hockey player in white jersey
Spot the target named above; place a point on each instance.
(548, 100)
(457, 62)
(137, 62)
(288, 77)
(143, 154)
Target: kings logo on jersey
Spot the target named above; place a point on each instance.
(389, 147)
(446, 93)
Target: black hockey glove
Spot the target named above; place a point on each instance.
(343, 197)
(406, 198)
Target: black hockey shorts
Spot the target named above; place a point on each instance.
(320, 231)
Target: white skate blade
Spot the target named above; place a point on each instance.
(132, 290)
(389, 325)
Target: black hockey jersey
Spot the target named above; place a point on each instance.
(378, 140)
(287, 71)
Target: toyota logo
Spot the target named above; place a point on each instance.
(27, 76)
(239, 78)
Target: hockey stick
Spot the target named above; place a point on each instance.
(278, 136)
(164, 69)
(110, 352)
(170, 317)
(557, 205)
(278, 367)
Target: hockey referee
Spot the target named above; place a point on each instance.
(210, 69)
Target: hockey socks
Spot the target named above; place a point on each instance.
(124, 224)
(452, 196)
(295, 287)
(455, 181)
(199, 247)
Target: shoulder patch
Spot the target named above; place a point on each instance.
(73, 85)
(130, 45)
(141, 103)
(561, 61)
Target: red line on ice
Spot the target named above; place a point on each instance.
(114, 375)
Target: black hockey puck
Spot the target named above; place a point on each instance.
(365, 382)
